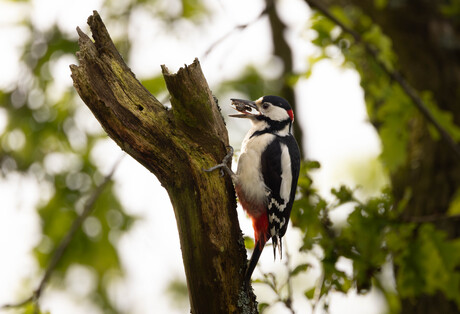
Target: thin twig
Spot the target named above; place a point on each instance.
(16, 305)
(318, 288)
(236, 28)
(64, 244)
(288, 301)
(393, 74)
(431, 218)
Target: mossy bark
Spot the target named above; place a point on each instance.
(174, 145)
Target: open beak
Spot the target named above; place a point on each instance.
(247, 108)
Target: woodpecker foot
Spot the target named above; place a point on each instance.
(223, 166)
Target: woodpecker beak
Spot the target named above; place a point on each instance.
(247, 108)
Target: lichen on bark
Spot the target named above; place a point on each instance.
(174, 145)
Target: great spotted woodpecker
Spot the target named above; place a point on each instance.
(268, 170)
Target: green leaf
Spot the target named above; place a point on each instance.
(344, 194)
(394, 151)
(299, 269)
(443, 117)
(310, 294)
(178, 292)
(430, 264)
(375, 37)
(450, 8)
(454, 207)
(249, 242)
(311, 164)
(323, 28)
(193, 9)
(252, 83)
(155, 85)
(380, 4)
(263, 306)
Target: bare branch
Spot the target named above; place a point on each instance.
(431, 218)
(19, 304)
(237, 28)
(288, 300)
(64, 244)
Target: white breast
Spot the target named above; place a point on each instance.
(249, 171)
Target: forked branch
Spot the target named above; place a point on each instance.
(174, 145)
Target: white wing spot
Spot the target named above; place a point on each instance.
(280, 207)
(286, 175)
(272, 217)
(282, 223)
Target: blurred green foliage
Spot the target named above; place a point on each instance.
(388, 106)
(44, 137)
(251, 83)
(375, 235)
(178, 292)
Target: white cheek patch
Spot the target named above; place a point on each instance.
(277, 113)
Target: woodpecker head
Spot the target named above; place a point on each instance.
(268, 109)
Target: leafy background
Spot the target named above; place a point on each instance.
(347, 232)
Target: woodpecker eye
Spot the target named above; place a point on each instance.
(265, 105)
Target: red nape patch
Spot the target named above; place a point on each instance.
(260, 225)
(291, 114)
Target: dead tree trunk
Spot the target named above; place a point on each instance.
(174, 145)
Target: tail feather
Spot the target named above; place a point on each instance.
(259, 246)
(281, 248)
(277, 243)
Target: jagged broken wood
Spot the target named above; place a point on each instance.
(174, 145)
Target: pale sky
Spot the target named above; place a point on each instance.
(330, 108)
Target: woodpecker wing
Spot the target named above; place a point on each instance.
(291, 185)
(272, 170)
(280, 164)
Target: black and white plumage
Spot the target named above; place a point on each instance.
(280, 177)
(268, 170)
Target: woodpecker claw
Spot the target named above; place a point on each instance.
(223, 166)
(228, 156)
(219, 166)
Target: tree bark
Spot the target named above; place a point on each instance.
(427, 45)
(174, 145)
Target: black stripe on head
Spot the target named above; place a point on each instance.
(277, 101)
